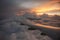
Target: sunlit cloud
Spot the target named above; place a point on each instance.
(47, 7)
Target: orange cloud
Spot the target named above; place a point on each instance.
(46, 7)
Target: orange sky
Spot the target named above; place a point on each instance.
(52, 5)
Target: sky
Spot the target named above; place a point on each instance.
(42, 6)
(30, 3)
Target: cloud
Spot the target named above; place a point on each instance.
(30, 3)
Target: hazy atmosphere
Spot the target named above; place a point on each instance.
(30, 20)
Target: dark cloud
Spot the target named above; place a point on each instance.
(8, 8)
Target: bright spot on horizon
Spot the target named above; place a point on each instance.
(50, 8)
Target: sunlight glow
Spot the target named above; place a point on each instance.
(50, 6)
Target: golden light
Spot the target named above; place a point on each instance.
(46, 9)
(52, 5)
(49, 27)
